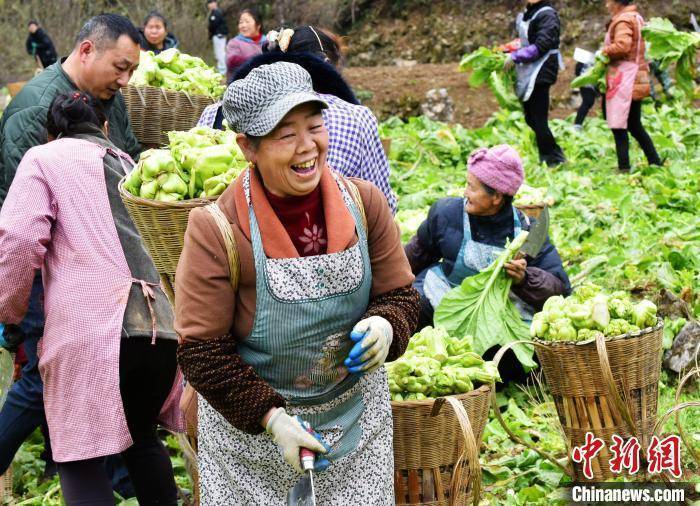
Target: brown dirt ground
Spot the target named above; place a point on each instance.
(399, 90)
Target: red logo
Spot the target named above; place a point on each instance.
(625, 455)
(586, 453)
(665, 455)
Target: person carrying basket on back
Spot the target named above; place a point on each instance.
(321, 298)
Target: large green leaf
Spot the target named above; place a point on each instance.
(668, 45)
(480, 307)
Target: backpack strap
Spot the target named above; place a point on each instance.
(224, 226)
(355, 194)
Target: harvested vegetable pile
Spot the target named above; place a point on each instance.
(590, 313)
(199, 163)
(178, 71)
(436, 364)
(529, 196)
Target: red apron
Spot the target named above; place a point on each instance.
(620, 80)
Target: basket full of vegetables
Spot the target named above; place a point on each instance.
(601, 356)
(167, 184)
(440, 401)
(531, 200)
(168, 92)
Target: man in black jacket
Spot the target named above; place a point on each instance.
(40, 44)
(218, 30)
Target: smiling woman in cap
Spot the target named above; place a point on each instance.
(323, 300)
(462, 236)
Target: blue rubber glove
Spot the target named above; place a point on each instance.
(3, 343)
(373, 337)
(321, 463)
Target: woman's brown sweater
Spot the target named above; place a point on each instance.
(211, 319)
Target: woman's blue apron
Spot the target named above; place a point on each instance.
(473, 257)
(305, 310)
(527, 72)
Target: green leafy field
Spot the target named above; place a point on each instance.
(643, 228)
(638, 232)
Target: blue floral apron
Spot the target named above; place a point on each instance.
(527, 72)
(305, 310)
(473, 257)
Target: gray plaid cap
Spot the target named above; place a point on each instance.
(256, 104)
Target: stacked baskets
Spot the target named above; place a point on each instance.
(436, 449)
(156, 111)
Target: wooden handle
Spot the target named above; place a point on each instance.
(470, 454)
(140, 94)
(619, 399)
(680, 406)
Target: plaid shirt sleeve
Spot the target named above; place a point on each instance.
(209, 115)
(354, 148)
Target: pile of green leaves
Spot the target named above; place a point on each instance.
(480, 307)
(594, 76)
(31, 487)
(201, 162)
(637, 232)
(486, 67)
(436, 364)
(668, 45)
(178, 71)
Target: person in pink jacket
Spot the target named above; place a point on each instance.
(108, 354)
(247, 44)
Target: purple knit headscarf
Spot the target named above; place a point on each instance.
(499, 167)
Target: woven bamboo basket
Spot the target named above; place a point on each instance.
(156, 111)
(162, 227)
(532, 211)
(6, 486)
(608, 386)
(436, 449)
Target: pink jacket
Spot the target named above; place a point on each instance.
(57, 218)
(239, 50)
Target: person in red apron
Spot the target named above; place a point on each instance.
(321, 269)
(108, 354)
(537, 64)
(628, 81)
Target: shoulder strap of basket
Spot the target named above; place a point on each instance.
(355, 193)
(229, 241)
